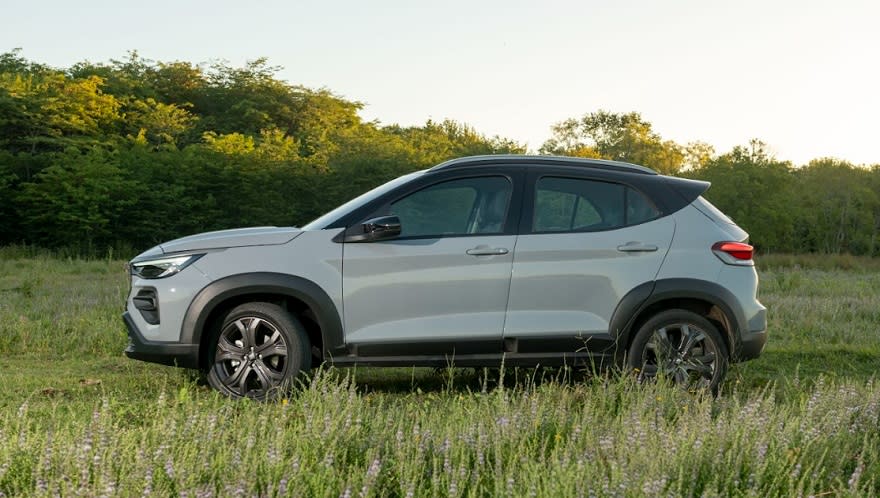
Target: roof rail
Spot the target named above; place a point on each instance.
(557, 160)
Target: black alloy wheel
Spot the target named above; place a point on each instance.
(681, 346)
(260, 349)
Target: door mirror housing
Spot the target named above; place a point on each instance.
(375, 229)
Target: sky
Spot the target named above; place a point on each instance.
(803, 75)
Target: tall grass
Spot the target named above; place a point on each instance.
(601, 437)
(824, 262)
(77, 418)
(61, 306)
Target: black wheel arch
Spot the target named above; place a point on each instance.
(704, 297)
(229, 291)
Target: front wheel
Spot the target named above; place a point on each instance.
(681, 346)
(260, 348)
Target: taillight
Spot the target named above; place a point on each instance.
(734, 253)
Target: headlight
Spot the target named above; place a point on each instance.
(164, 267)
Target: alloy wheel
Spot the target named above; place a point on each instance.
(251, 357)
(681, 352)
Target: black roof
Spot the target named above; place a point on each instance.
(549, 160)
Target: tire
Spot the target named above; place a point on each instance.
(258, 351)
(681, 346)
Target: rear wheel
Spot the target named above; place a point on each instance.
(260, 349)
(681, 346)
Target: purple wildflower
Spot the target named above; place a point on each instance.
(169, 468)
(148, 482)
(856, 476)
(372, 474)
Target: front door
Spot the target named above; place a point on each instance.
(441, 287)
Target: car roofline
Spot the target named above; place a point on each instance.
(541, 159)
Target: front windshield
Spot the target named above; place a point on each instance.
(326, 219)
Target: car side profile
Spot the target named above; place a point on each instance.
(478, 261)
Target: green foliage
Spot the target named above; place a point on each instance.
(48, 111)
(828, 206)
(826, 262)
(756, 191)
(157, 124)
(80, 199)
(621, 137)
(697, 155)
(8, 222)
(844, 207)
(132, 152)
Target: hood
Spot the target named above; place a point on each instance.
(239, 237)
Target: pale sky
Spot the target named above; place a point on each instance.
(802, 75)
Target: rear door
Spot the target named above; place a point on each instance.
(441, 287)
(584, 243)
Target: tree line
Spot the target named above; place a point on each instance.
(132, 152)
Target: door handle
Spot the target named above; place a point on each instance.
(637, 247)
(483, 250)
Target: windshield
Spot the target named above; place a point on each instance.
(326, 219)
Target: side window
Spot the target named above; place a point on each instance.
(569, 204)
(638, 208)
(457, 207)
(553, 210)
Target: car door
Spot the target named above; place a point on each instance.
(441, 286)
(584, 244)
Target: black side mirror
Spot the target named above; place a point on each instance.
(381, 228)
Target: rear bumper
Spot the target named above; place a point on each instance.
(752, 346)
(164, 353)
(752, 341)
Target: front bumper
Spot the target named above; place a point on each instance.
(165, 353)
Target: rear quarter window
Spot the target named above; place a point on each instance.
(638, 208)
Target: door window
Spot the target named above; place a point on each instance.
(570, 205)
(457, 207)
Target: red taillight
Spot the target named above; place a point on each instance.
(737, 250)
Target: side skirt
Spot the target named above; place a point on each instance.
(478, 360)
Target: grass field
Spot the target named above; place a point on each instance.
(78, 418)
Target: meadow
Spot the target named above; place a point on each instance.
(78, 418)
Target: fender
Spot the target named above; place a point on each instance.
(628, 309)
(300, 288)
(649, 293)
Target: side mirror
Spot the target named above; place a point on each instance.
(381, 228)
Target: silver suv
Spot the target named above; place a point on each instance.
(479, 261)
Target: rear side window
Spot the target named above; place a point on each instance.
(571, 205)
